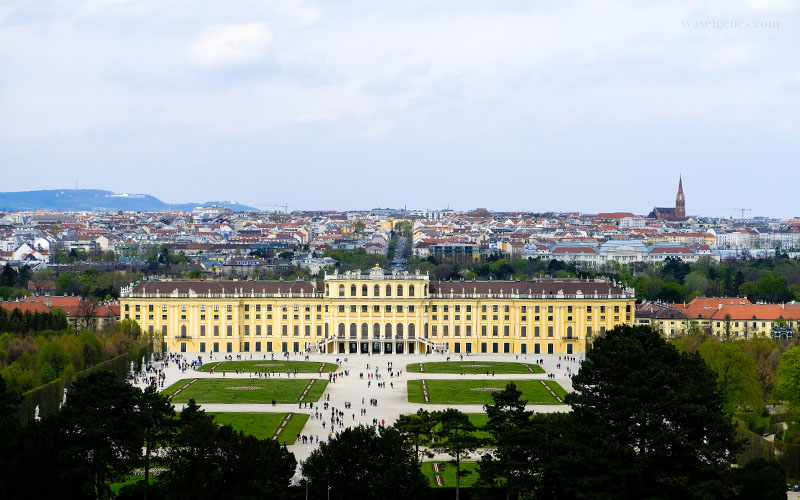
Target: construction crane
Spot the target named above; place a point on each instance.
(740, 210)
(285, 207)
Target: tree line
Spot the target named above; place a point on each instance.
(108, 428)
(36, 355)
(774, 279)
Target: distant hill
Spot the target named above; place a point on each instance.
(97, 200)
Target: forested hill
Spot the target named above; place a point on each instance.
(96, 200)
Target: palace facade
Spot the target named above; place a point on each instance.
(378, 311)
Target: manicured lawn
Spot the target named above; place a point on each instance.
(264, 425)
(449, 474)
(479, 420)
(268, 365)
(222, 390)
(128, 479)
(560, 392)
(473, 367)
(478, 391)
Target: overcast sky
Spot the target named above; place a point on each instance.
(520, 105)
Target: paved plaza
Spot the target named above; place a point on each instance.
(392, 400)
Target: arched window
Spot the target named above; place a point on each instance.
(376, 331)
(352, 290)
(183, 331)
(426, 330)
(399, 332)
(377, 291)
(353, 330)
(326, 330)
(410, 290)
(341, 290)
(569, 332)
(341, 329)
(364, 331)
(388, 333)
(411, 331)
(424, 290)
(388, 290)
(363, 290)
(399, 290)
(328, 290)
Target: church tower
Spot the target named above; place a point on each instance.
(680, 202)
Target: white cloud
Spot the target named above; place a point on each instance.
(230, 45)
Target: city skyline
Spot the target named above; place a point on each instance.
(594, 107)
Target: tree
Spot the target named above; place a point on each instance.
(384, 467)
(102, 429)
(40, 278)
(512, 465)
(209, 461)
(788, 386)
(9, 431)
(646, 422)
(414, 427)
(456, 439)
(86, 311)
(9, 276)
(760, 479)
(735, 373)
(156, 414)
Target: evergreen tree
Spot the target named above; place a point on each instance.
(365, 463)
(513, 465)
(647, 422)
(456, 438)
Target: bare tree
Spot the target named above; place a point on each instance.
(86, 312)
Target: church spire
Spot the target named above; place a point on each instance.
(680, 201)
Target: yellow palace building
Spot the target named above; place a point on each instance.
(376, 312)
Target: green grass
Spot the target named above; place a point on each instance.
(216, 390)
(560, 392)
(473, 367)
(263, 425)
(449, 474)
(276, 366)
(479, 420)
(128, 479)
(460, 391)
